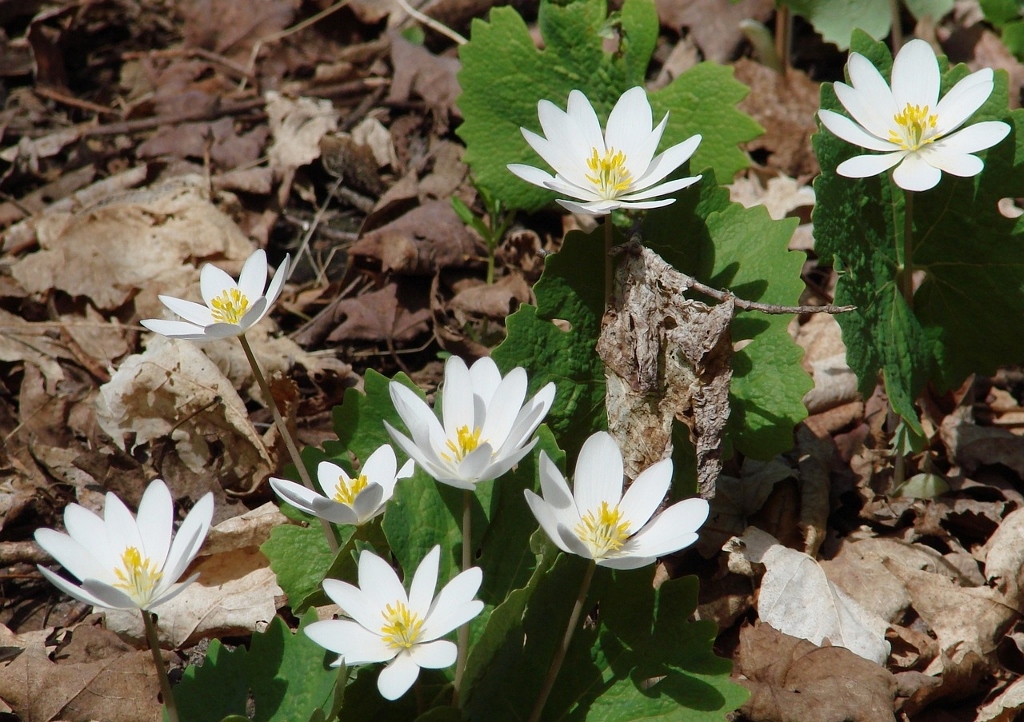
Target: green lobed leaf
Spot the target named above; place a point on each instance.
(836, 20)
(971, 256)
(285, 673)
(571, 289)
(300, 558)
(744, 251)
(504, 75)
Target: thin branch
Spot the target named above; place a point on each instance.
(434, 25)
(687, 282)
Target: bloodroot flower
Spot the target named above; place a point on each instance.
(348, 500)
(908, 124)
(388, 625)
(231, 308)
(597, 521)
(124, 562)
(614, 169)
(487, 427)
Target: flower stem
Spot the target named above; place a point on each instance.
(467, 560)
(608, 260)
(907, 279)
(783, 36)
(570, 629)
(161, 670)
(289, 442)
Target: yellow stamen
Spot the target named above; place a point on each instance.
(914, 125)
(610, 174)
(466, 442)
(138, 575)
(401, 628)
(230, 306)
(346, 492)
(604, 532)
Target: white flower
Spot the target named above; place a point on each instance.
(486, 430)
(597, 521)
(617, 169)
(124, 562)
(909, 124)
(387, 625)
(231, 308)
(347, 500)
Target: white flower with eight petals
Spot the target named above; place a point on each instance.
(348, 500)
(388, 625)
(908, 123)
(597, 521)
(231, 308)
(486, 430)
(616, 169)
(124, 562)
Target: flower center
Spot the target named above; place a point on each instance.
(229, 306)
(610, 175)
(604, 532)
(138, 576)
(401, 628)
(914, 127)
(347, 491)
(466, 442)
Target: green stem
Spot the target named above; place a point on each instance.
(467, 560)
(609, 266)
(907, 280)
(161, 670)
(570, 629)
(289, 442)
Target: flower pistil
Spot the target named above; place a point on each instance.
(347, 491)
(611, 177)
(138, 575)
(604, 532)
(230, 306)
(465, 442)
(914, 126)
(401, 628)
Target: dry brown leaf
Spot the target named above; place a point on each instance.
(219, 138)
(231, 28)
(835, 384)
(95, 677)
(1007, 706)
(496, 300)
(973, 446)
(1004, 559)
(780, 197)
(395, 313)
(297, 125)
(429, 76)
(736, 499)
(715, 25)
(791, 679)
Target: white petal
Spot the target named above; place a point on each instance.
(545, 516)
(474, 466)
(586, 192)
(973, 138)
(222, 330)
(504, 407)
(295, 494)
(563, 154)
(660, 203)
(556, 491)
(958, 164)
(88, 530)
(844, 128)
(171, 592)
(915, 174)
(587, 133)
(529, 419)
(871, 88)
(425, 458)
(277, 282)
(192, 312)
(915, 75)
(213, 282)
(356, 644)
(645, 494)
(381, 466)
(456, 398)
(257, 310)
(963, 101)
(662, 189)
(629, 127)
(454, 605)
(189, 538)
(253, 277)
(378, 581)
(486, 378)
(599, 473)
(592, 208)
(503, 463)
(639, 161)
(108, 595)
(156, 521)
(424, 582)
(73, 591)
(626, 562)
(530, 174)
(672, 530)
(667, 162)
(355, 603)
(865, 166)
(876, 118)
(175, 329)
(71, 555)
(396, 679)
(417, 416)
(435, 655)
(327, 476)
(122, 531)
(368, 503)
(572, 541)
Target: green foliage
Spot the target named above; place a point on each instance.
(836, 20)
(300, 558)
(744, 251)
(503, 77)
(1006, 16)
(970, 255)
(286, 674)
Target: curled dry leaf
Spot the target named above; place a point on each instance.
(297, 125)
(798, 599)
(792, 679)
(1007, 706)
(1004, 559)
